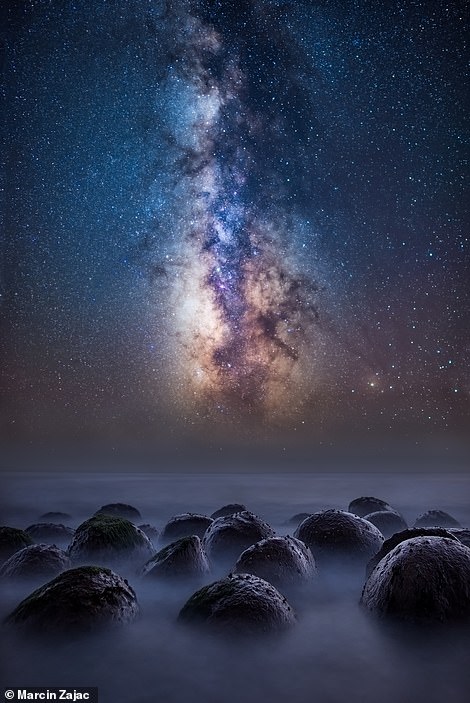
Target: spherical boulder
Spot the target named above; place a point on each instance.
(283, 561)
(185, 525)
(422, 580)
(105, 540)
(339, 536)
(368, 504)
(50, 533)
(229, 536)
(11, 540)
(230, 509)
(77, 601)
(151, 531)
(240, 604)
(387, 522)
(128, 512)
(36, 561)
(398, 537)
(436, 518)
(61, 518)
(181, 560)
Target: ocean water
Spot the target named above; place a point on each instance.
(335, 653)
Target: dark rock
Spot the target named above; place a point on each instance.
(36, 561)
(230, 509)
(240, 604)
(61, 518)
(106, 539)
(185, 525)
(283, 561)
(424, 579)
(151, 532)
(296, 519)
(387, 522)
(436, 518)
(50, 533)
(128, 512)
(76, 601)
(229, 536)
(336, 535)
(184, 559)
(11, 540)
(462, 534)
(368, 504)
(398, 537)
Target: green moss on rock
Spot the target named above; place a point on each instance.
(107, 538)
(11, 540)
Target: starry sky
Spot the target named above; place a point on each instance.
(234, 221)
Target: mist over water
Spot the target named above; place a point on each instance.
(335, 653)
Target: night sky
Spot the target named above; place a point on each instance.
(235, 221)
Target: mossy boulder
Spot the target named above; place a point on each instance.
(128, 512)
(36, 561)
(240, 604)
(50, 533)
(182, 560)
(105, 539)
(151, 531)
(422, 580)
(436, 518)
(368, 504)
(77, 601)
(387, 522)
(229, 536)
(283, 561)
(61, 518)
(229, 509)
(11, 540)
(402, 536)
(185, 525)
(340, 537)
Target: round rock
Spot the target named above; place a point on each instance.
(79, 600)
(185, 525)
(128, 512)
(229, 536)
(105, 539)
(336, 535)
(283, 561)
(424, 579)
(240, 604)
(36, 561)
(181, 560)
(387, 522)
(11, 540)
(368, 504)
(230, 509)
(50, 533)
(436, 518)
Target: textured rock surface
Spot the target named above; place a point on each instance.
(79, 600)
(11, 540)
(105, 539)
(229, 536)
(424, 579)
(436, 518)
(50, 533)
(36, 561)
(128, 512)
(185, 525)
(387, 522)
(368, 504)
(184, 559)
(340, 536)
(230, 509)
(239, 604)
(283, 561)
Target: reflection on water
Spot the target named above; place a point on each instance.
(335, 653)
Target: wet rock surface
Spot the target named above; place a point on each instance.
(339, 536)
(50, 533)
(128, 512)
(283, 561)
(229, 509)
(105, 539)
(436, 518)
(240, 604)
(387, 522)
(229, 536)
(77, 601)
(181, 560)
(424, 579)
(11, 540)
(368, 504)
(36, 561)
(185, 525)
